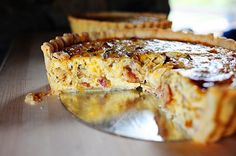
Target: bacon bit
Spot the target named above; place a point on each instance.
(103, 81)
(169, 95)
(137, 57)
(188, 123)
(86, 84)
(213, 51)
(165, 92)
(131, 76)
(33, 98)
(131, 103)
(38, 96)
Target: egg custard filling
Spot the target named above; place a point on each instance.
(192, 76)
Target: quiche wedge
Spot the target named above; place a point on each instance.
(103, 21)
(192, 76)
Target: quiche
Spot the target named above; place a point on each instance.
(103, 21)
(192, 76)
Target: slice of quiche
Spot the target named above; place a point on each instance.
(103, 21)
(192, 76)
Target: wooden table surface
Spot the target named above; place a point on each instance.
(47, 129)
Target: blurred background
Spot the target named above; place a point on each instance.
(30, 16)
(203, 16)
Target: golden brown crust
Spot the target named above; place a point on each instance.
(70, 38)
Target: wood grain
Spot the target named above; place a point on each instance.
(48, 129)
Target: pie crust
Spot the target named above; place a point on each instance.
(205, 115)
(104, 21)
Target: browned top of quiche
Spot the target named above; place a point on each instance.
(205, 65)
